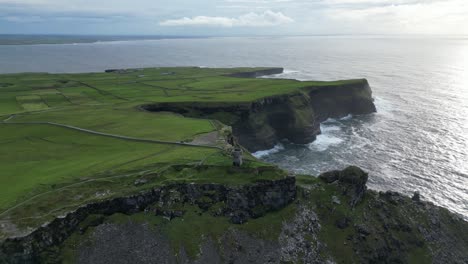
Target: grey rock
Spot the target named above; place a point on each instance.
(241, 203)
(336, 200)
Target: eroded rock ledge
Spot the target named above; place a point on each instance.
(239, 204)
(263, 123)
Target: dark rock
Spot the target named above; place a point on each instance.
(342, 223)
(363, 230)
(240, 203)
(416, 197)
(330, 176)
(239, 217)
(394, 198)
(352, 181)
(170, 214)
(92, 223)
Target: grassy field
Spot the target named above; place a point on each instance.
(48, 169)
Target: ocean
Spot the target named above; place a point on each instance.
(417, 141)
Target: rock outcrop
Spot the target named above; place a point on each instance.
(333, 219)
(352, 182)
(240, 204)
(384, 227)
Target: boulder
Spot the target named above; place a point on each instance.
(352, 181)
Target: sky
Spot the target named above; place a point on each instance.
(234, 17)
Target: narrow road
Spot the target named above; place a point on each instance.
(110, 135)
(10, 117)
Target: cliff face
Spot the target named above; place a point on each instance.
(334, 219)
(297, 117)
(262, 124)
(237, 203)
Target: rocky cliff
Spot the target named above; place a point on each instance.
(236, 203)
(263, 123)
(334, 219)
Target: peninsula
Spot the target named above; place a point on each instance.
(135, 166)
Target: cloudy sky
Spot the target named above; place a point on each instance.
(234, 17)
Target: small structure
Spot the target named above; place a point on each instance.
(237, 157)
(416, 196)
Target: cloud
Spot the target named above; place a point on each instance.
(429, 17)
(234, 16)
(267, 18)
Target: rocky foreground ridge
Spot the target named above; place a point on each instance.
(330, 219)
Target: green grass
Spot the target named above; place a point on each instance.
(127, 121)
(33, 156)
(44, 167)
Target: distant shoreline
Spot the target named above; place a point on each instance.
(77, 39)
(51, 39)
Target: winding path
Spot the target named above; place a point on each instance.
(110, 135)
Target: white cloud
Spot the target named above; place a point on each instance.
(252, 16)
(267, 18)
(429, 17)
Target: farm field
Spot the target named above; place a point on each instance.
(70, 139)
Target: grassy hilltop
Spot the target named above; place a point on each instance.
(48, 169)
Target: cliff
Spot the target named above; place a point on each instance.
(334, 218)
(296, 116)
(238, 204)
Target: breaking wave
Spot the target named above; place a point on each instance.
(264, 153)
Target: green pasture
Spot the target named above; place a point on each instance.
(45, 167)
(34, 157)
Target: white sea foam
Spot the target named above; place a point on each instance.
(329, 120)
(348, 117)
(329, 128)
(284, 74)
(326, 139)
(286, 71)
(384, 107)
(264, 153)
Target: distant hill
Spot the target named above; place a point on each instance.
(71, 39)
